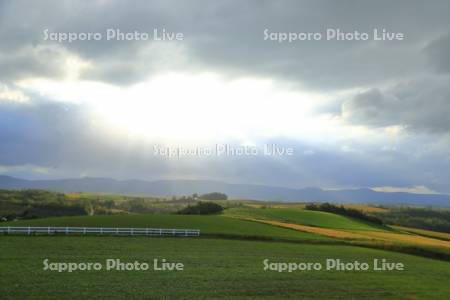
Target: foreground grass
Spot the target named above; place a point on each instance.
(213, 269)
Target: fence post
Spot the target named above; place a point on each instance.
(48, 230)
(84, 230)
(29, 230)
(9, 230)
(132, 231)
(67, 230)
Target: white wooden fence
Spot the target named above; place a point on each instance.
(100, 230)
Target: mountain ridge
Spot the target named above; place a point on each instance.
(246, 191)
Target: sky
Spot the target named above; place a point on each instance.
(354, 113)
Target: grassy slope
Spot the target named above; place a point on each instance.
(209, 225)
(303, 217)
(341, 227)
(213, 269)
(326, 227)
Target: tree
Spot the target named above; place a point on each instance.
(214, 196)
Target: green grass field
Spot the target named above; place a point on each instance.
(226, 262)
(303, 217)
(209, 225)
(214, 268)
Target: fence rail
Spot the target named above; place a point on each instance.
(100, 230)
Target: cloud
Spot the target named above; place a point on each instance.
(27, 62)
(420, 189)
(9, 94)
(419, 105)
(227, 37)
(438, 53)
(66, 140)
(389, 101)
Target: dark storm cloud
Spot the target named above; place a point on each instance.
(40, 132)
(64, 137)
(23, 50)
(439, 53)
(31, 62)
(227, 37)
(422, 105)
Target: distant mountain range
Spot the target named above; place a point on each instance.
(243, 191)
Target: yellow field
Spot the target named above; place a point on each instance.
(407, 238)
(73, 195)
(286, 205)
(316, 230)
(385, 237)
(365, 208)
(424, 232)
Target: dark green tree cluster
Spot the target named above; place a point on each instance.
(425, 218)
(341, 210)
(201, 208)
(28, 204)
